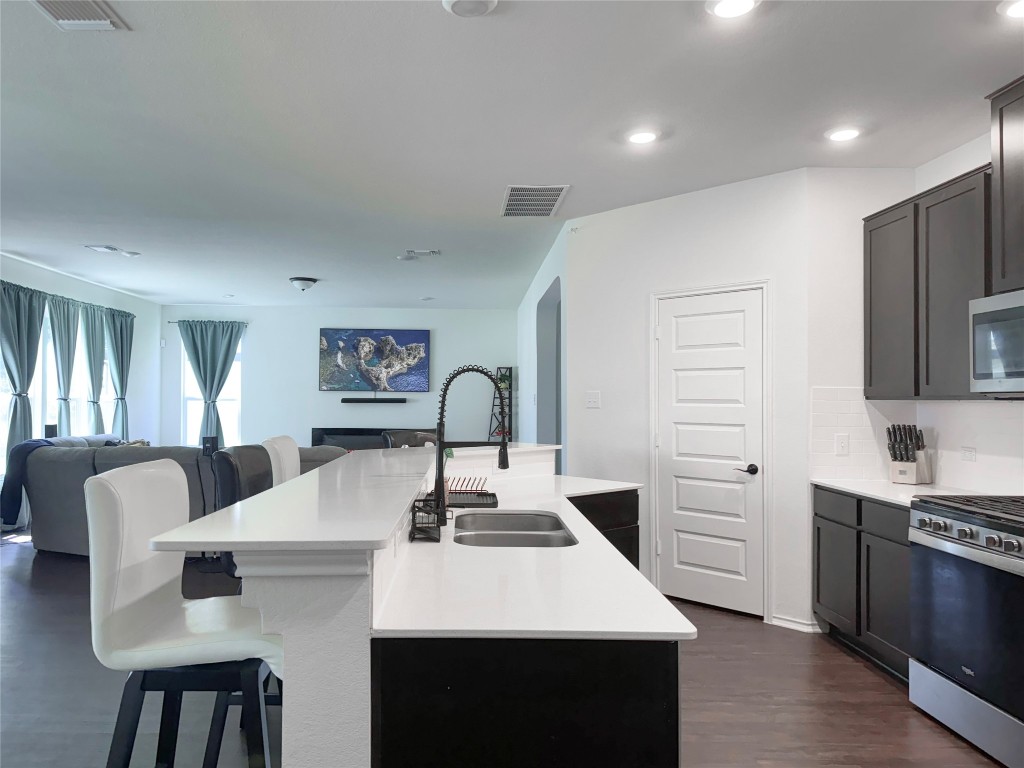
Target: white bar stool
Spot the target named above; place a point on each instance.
(284, 458)
(141, 624)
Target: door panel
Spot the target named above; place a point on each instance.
(710, 424)
(1008, 190)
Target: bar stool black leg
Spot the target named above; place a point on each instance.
(213, 741)
(254, 713)
(123, 740)
(167, 741)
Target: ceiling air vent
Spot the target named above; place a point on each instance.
(525, 200)
(81, 15)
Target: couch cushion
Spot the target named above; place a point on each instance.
(198, 469)
(55, 485)
(318, 455)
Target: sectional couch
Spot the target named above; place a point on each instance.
(55, 483)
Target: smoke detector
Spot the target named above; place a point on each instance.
(81, 15)
(532, 200)
(467, 9)
(303, 283)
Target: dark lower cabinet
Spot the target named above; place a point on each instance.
(627, 541)
(862, 576)
(835, 574)
(617, 516)
(482, 703)
(885, 600)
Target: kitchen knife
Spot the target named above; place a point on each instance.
(888, 434)
(892, 451)
(920, 440)
(901, 437)
(911, 454)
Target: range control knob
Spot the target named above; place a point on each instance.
(1011, 545)
(965, 533)
(924, 522)
(994, 540)
(940, 526)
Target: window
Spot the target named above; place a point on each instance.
(43, 393)
(229, 403)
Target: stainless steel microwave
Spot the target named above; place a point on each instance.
(997, 344)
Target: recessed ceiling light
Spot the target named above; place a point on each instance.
(104, 248)
(1012, 8)
(730, 9)
(469, 8)
(843, 134)
(642, 137)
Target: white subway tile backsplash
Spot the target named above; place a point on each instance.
(826, 419)
(994, 429)
(850, 419)
(829, 406)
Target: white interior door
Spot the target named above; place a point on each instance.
(710, 413)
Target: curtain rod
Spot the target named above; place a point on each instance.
(175, 322)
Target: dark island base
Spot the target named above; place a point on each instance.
(494, 703)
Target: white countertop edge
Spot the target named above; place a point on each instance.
(212, 545)
(888, 492)
(536, 634)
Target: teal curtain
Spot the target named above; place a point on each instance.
(92, 336)
(21, 324)
(120, 327)
(64, 330)
(210, 346)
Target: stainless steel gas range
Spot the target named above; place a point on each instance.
(967, 618)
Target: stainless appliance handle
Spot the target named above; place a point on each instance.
(998, 561)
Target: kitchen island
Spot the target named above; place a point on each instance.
(327, 560)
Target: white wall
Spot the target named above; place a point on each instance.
(551, 269)
(280, 351)
(751, 230)
(837, 201)
(966, 157)
(143, 397)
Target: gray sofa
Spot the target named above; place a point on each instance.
(55, 483)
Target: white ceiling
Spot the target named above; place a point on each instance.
(238, 143)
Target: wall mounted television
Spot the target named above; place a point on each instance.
(374, 360)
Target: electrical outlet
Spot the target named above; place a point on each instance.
(842, 444)
(593, 399)
(967, 453)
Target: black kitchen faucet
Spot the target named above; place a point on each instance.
(442, 444)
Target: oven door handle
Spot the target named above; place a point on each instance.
(983, 557)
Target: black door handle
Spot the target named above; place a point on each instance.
(750, 470)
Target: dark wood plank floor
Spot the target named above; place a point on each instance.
(757, 695)
(754, 696)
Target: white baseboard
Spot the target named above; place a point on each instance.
(797, 624)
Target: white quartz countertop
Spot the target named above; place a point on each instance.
(588, 590)
(890, 493)
(355, 502)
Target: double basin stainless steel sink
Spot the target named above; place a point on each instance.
(512, 528)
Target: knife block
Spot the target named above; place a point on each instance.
(912, 472)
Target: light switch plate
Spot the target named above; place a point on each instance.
(842, 444)
(967, 453)
(593, 399)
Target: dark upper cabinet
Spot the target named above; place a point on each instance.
(890, 306)
(924, 260)
(1008, 187)
(952, 254)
